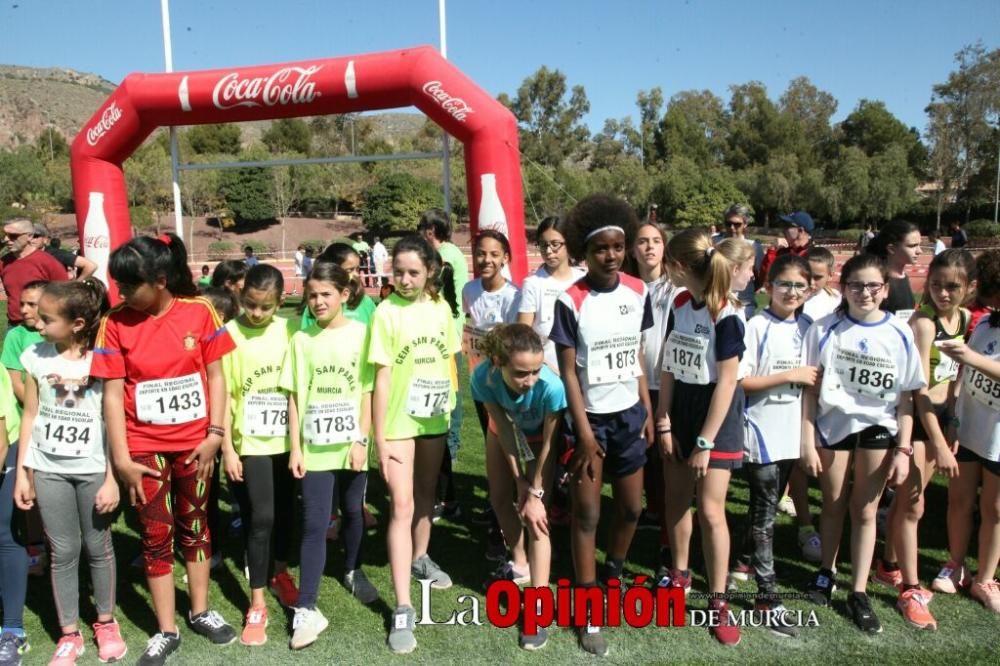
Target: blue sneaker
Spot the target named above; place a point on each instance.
(12, 648)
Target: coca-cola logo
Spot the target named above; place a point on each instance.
(456, 106)
(289, 85)
(111, 115)
(97, 242)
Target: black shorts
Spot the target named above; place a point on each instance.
(919, 434)
(621, 436)
(965, 455)
(872, 438)
(421, 438)
(688, 410)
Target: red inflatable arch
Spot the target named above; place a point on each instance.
(419, 77)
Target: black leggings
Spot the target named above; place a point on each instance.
(317, 494)
(266, 499)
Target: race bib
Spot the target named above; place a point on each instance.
(71, 433)
(686, 357)
(171, 401)
(946, 370)
(784, 392)
(332, 422)
(548, 306)
(265, 415)
(865, 375)
(428, 397)
(904, 315)
(472, 338)
(614, 359)
(982, 388)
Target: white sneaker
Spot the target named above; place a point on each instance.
(307, 625)
(951, 578)
(787, 506)
(811, 545)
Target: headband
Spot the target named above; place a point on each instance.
(599, 230)
(165, 239)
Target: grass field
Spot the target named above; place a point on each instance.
(968, 634)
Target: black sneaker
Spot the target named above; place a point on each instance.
(777, 619)
(648, 521)
(610, 572)
(159, 648)
(821, 590)
(446, 510)
(860, 608)
(536, 642)
(211, 625)
(506, 571)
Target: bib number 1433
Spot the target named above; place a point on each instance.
(171, 401)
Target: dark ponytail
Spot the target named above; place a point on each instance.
(892, 233)
(144, 260)
(86, 300)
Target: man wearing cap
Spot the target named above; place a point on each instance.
(74, 264)
(798, 235)
(24, 263)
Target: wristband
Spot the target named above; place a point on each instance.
(704, 444)
(363, 441)
(662, 431)
(216, 430)
(905, 450)
(536, 492)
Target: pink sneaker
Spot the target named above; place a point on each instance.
(951, 578)
(988, 594)
(893, 579)
(67, 650)
(110, 646)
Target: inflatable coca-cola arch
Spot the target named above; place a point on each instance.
(417, 77)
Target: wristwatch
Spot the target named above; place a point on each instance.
(905, 450)
(704, 444)
(537, 492)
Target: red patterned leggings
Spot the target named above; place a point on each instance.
(178, 499)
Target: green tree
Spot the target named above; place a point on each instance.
(551, 125)
(650, 104)
(148, 179)
(848, 185)
(963, 112)
(687, 195)
(756, 128)
(892, 188)
(288, 135)
(872, 128)
(215, 139)
(51, 145)
(248, 190)
(23, 176)
(396, 201)
(807, 111)
(694, 127)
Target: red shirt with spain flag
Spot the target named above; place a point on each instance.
(164, 362)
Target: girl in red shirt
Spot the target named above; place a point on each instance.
(159, 353)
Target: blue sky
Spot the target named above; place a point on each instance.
(890, 50)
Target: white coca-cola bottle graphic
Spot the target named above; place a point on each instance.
(97, 236)
(491, 215)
